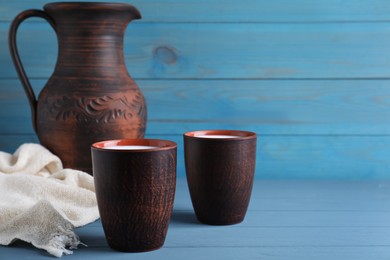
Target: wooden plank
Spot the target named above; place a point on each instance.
(260, 235)
(9, 143)
(211, 236)
(238, 11)
(315, 157)
(318, 203)
(300, 219)
(301, 157)
(228, 51)
(24, 251)
(304, 204)
(269, 107)
(343, 197)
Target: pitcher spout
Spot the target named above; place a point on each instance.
(135, 13)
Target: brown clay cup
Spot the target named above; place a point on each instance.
(220, 167)
(135, 182)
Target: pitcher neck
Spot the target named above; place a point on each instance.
(81, 51)
(90, 37)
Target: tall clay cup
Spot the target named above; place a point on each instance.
(135, 181)
(220, 166)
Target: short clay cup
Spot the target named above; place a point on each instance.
(220, 167)
(135, 190)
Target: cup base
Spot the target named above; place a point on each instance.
(135, 250)
(220, 222)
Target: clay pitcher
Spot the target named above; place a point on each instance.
(90, 96)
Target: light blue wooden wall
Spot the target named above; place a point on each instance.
(310, 77)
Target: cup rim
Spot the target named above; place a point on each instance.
(240, 134)
(159, 144)
(78, 4)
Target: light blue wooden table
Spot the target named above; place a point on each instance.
(286, 220)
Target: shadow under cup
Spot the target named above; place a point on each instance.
(220, 166)
(135, 182)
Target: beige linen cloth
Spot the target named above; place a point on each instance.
(41, 203)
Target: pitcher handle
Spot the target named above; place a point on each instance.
(16, 58)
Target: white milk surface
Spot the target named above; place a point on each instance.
(216, 136)
(129, 147)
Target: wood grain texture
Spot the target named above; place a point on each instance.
(323, 113)
(135, 191)
(239, 11)
(220, 174)
(10, 142)
(295, 157)
(268, 107)
(250, 51)
(333, 220)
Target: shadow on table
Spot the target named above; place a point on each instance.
(180, 217)
(95, 243)
(24, 248)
